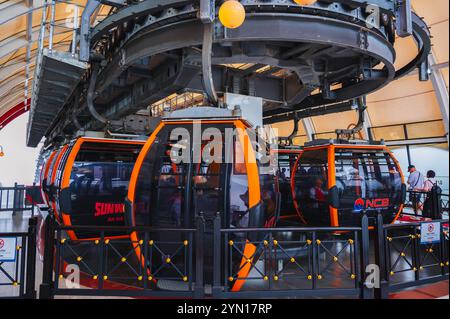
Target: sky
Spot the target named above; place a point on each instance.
(19, 163)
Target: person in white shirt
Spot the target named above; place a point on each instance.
(415, 179)
(415, 184)
(430, 181)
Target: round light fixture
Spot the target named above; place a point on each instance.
(232, 14)
(305, 2)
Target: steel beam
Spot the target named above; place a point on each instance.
(12, 45)
(367, 124)
(310, 130)
(29, 37)
(420, 141)
(188, 33)
(12, 9)
(89, 9)
(440, 89)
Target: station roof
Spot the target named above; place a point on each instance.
(404, 101)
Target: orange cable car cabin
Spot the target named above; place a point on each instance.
(334, 182)
(92, 183)
(168, 193)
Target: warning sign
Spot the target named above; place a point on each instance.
(430, 233)
(8, 249)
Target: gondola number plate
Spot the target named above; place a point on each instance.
(8, 249)
(430, 233)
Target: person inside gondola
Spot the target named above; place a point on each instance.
(316, 193)
(283, 174)
(175, 208)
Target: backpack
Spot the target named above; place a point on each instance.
(428, 203)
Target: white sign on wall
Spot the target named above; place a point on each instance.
(8, 249)
(430, 233)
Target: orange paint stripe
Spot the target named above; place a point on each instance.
(331, 183)
(140, 160)
(245, 267)
(251, 165)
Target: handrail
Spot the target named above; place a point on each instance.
(124, 228)
(290, 229)
(414, 224)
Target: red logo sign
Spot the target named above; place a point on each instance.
(103, 209)
(361, 203)
(2, 243)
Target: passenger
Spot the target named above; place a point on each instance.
(415, 179)
(316, 193)
(283, 174)
(432, 189)
(175, 208)
(416, 183)
(430, 181)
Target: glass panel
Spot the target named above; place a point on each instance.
(286, 163)
(390, 133)
(311, 186)
(426, 130)
(326, 135)
(99, 182)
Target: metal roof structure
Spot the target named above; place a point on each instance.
(21, 22)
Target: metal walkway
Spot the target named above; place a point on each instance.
(58, 74)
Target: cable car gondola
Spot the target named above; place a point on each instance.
(92, 183)
(335, 181)
(167, 194)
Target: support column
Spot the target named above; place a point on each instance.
(29, 37)
(367, 124)
(309, 128)
(440, 89)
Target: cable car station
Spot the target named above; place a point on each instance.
(198, 149)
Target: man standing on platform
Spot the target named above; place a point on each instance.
(415, 184)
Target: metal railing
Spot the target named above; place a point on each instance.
(290, 267)
(426, 204)
(19, 198)
(401, 251)
(18, 263)
(108, 263)
(209, 260)
(273, 262)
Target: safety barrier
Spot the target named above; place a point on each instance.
(110, 266)
(402, 251)
(18, 263)
(272, 262)
(19, 198)
(291, 262)
(426, 204)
